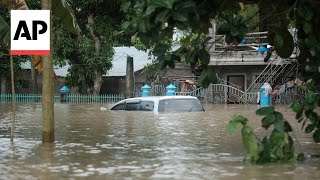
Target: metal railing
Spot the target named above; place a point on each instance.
(70, 98)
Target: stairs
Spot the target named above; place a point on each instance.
(274, 73)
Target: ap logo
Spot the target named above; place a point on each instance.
(30, 32)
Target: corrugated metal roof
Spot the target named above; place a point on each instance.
(140, 60)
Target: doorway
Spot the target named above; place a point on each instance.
(235, 80)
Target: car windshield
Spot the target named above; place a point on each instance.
(180, 105)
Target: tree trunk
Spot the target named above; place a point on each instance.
(47, 90)
(97, 82)
(34, 79)
(13, 95)
(265, 8)
(129, 77)
(3, 85)
(97, 43)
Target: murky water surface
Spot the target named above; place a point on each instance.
(95, 144)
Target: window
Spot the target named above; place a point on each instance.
(146, 105)
(119, 107)
(179, 105)
(135, 105)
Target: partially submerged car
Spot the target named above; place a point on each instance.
(160, 104)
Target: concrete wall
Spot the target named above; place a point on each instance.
(24, 83)
(249, 72)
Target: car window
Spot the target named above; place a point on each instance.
(140, 106)
(146, 105)
(179, 105)
(119, 107)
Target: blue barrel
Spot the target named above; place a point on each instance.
(145, 90)
(265, 98)
(171, 90)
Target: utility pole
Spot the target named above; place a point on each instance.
(129, 78)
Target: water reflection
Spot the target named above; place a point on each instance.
(110, 144)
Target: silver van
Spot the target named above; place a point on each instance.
(160, 104)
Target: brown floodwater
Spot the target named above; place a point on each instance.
(94, 144)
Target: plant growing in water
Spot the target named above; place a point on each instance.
(278, 146)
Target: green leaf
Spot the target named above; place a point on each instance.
(307, 27)
(268, 121)
(229, 38)
(276, 139)
(284, 51)
(168, 3)
(150, 9)
(265, 111)
(142, 27)
(232, 126)
(125, 24)
(311, 97)
(234, 122)
(187, 4)
(63, 10)
(250, 143)
(296, 107)
(206, 78)
(278, 41)
(319, 69)
(204, 57)
(316, 136)
(288, 150)
(287, 126)
(224, 28)
(312, 116)
(234, 31)
(161, 17)
(279, 125)
(265, 155)
(180, 17)
(309, 128)
(4, 33)
(305, 12)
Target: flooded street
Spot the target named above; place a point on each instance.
(95, 144)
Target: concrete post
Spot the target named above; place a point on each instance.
(129, 78)
(145, 90)
(171, 90)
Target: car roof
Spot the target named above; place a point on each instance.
(156, 98)
(161, 97)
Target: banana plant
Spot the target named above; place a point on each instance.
(4, 33)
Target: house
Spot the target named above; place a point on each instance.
(113, 81)
(246, 67)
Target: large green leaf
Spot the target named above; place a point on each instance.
(4, 33)
(63, 10)
(316, 136)
(268, 121)
(283, 43)
(265, 111)
(279, 125)
(309, 128)
(234, 122)
(250, 143)
(296, 107)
